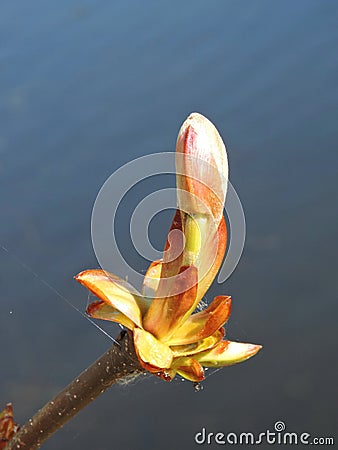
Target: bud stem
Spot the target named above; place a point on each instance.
(113, 366)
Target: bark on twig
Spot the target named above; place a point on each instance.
(115, 365)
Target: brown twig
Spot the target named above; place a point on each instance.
(118, 363)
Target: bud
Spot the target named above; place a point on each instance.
(202, 168)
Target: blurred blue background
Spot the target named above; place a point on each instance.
(88, 86)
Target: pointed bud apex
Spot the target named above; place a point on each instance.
(202, 168)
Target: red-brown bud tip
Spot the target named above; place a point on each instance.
(202, 167)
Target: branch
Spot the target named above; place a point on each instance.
(116, 364)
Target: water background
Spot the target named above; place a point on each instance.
(88, 86)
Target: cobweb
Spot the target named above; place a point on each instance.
(110, 328)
